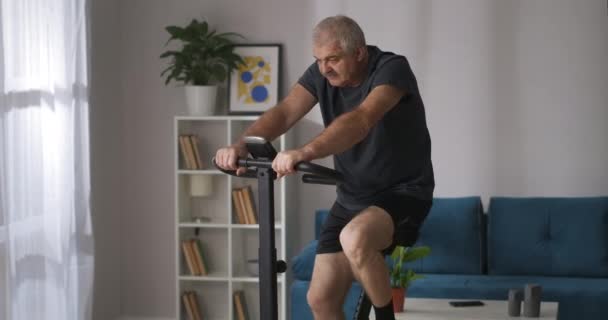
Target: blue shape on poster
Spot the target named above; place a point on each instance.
(246, 76)
(261, 64)
(259, 93)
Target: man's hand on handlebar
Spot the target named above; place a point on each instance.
(285, 162)
(226, 158)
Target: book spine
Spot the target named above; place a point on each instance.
(194, 303)
(197, 156)
(238, 205)
(198, 253)
(244, 305)
(250, 204)
(188, 305)
(243, 205)
(238, 305)
(190, 152)
(184, 151)
(188, 257)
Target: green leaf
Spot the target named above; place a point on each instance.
(204, 55)
(166, 70)
(397, 252)
(416, 253)
(210, 35)
(204, 28)
(174, 31)
(169, 53)
(400, 276)
(416, 277)
(219, 71)
(230, 34)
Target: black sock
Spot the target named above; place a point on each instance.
(386, 312)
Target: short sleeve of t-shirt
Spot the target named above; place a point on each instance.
(310, 79)
(395, 71)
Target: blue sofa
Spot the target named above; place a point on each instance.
(559, 243)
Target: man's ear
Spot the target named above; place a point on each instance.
(361, 52)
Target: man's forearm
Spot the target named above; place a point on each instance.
(344, 132)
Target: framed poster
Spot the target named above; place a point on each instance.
(254, 87)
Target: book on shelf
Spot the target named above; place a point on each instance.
(194, 165)
(189, 257)
(190, 301)
(187, 306)
(240, 305)
(250, 204)
(198, 256)
(188, 144)
(183, 147)
(239, 207)
(193, 255)
(197, 156)
(194, 303)
(244, 205)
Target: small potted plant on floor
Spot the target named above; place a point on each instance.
(204, 59)
(402, 277)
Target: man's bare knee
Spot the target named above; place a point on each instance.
(322, 302)
(330, 282)
(368, 233)
(352, 239)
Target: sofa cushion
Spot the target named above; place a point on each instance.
(303, 263)
(454, 230)
(548, 236)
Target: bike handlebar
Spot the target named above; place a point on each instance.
(314, 173)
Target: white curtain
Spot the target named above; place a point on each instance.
(46, 249)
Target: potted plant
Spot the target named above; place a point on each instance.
(402, 277)
(204, 59)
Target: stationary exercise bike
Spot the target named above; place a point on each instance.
(259, 167)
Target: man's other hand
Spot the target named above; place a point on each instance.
(227, 157)
(285, 161)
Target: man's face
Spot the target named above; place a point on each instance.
(339, 67)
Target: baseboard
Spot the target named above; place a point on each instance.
(142, 318)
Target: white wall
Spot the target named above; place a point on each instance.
(106, 117)
(3, 270)
(515, 91)
(147, 251)
(551, 117)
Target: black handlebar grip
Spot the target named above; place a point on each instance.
(320, 171)
(242, 163)
(311, 178)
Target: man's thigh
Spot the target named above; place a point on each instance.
(331, 277)
(392, 220)
(373, 226)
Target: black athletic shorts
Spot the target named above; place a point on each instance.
(407, 213)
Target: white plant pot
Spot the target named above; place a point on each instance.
(201, 100)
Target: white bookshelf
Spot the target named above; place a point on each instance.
(226, 245)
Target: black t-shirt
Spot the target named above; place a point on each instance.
(395, 156)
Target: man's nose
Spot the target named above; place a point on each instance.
(323, 67)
